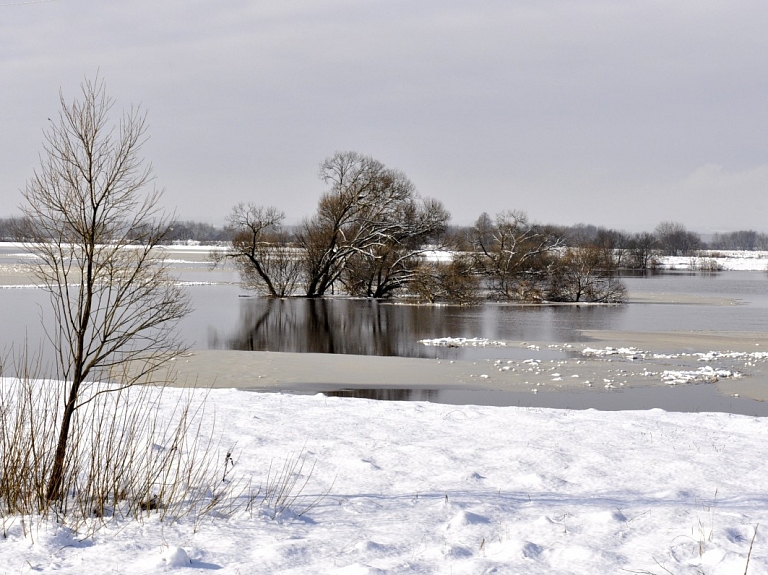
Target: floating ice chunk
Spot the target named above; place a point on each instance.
(462, 342)
(713, 355)
(706, 374)
(631, 353)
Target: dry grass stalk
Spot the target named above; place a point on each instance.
(128, 458)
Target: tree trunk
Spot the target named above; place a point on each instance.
(56, 478)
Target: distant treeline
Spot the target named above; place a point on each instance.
(189, 230)
(181, 231)
(748, 240)
(669, 238)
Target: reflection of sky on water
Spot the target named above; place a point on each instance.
(751, 287)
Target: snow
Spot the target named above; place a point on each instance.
(412, 487)
(462, 342)
(706, 374)
(174, 557)
(428, 488)
(724, 260)
(192, 252)
(633, 353)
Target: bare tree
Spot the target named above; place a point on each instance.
(453, 281)
(614, 244)
(643, 251)
(360, 214)
(675, 240)
(390, 264)
(262, 250)
(514, 255)
(586, 275)
(93, 230)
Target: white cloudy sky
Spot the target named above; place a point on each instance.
(614, 112)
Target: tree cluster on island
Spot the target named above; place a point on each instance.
(372, 235)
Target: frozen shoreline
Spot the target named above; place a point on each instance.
(737, 364)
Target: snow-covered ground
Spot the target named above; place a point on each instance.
(12, 261)
(429, 488)
(718, 261)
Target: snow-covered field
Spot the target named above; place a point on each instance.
(718, 261)
(428, 488)
(13, 262)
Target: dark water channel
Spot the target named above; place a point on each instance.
(683, 398)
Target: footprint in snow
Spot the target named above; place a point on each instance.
(466, 518)
(531, 550)
(369, 547)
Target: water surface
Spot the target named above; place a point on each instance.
(379, 328)
(227, 317)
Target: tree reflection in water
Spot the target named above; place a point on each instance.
(370, 327)
(345, 326)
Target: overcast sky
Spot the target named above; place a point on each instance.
(620, 113)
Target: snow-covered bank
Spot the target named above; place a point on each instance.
(427, 488)
(718, 261)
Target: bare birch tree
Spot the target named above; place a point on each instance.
(94, 229)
